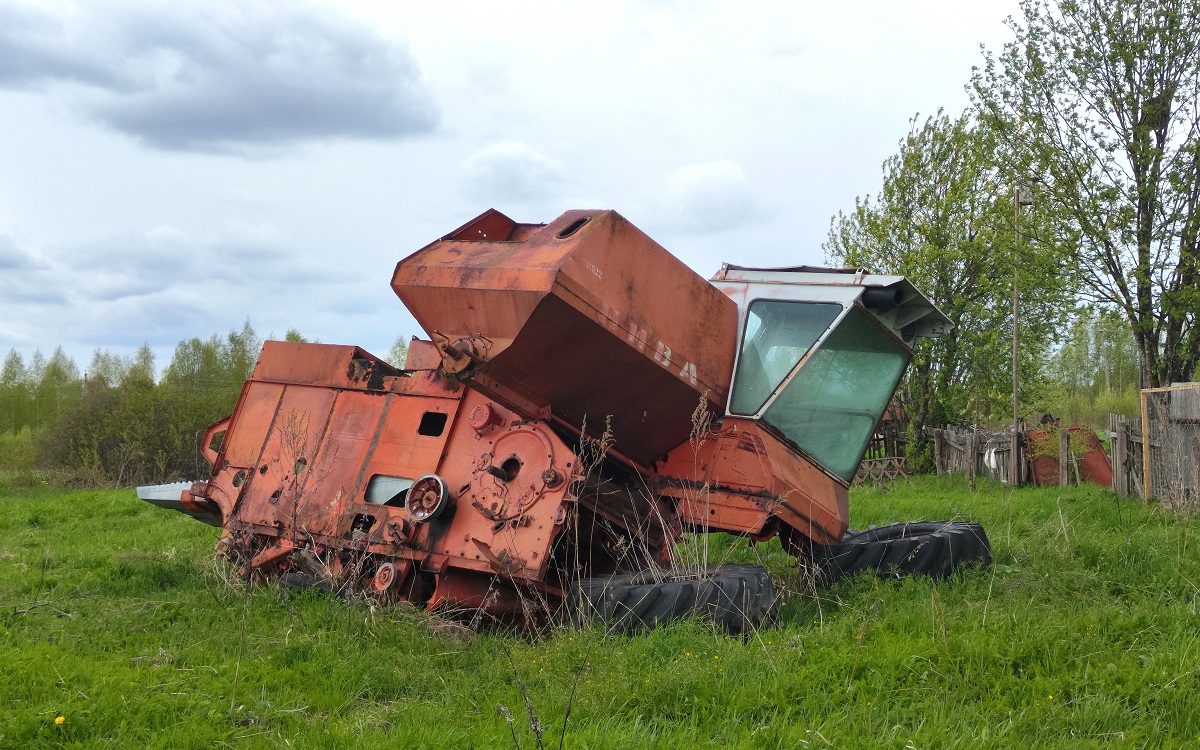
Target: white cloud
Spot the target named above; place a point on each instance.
(710, 197)
(510, 171)
(12, 257)
(163, 284)
(220, 76)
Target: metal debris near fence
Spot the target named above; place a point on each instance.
(1165, 467)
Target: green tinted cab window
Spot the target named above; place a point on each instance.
(831, 406)
(777, 335)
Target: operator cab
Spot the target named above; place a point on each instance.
(822, 351)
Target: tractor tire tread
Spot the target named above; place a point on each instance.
(736, 597)
(933, 548)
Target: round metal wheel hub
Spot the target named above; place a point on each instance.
(385, 576)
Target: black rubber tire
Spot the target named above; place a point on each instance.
(932, 548)
(736, 597)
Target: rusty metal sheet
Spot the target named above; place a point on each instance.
(1094, 465)
(306, 453)
(275, 478)
(743, 476)
(586, 315)
(320, 364)
(248, 429)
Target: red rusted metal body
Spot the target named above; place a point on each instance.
(1093, 463)
(742, 479)
(576, 410)
(584, 317)
(322, 452)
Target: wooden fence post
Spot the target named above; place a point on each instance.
(1064, 457)
(1145, 447)
(1019, 448)
(1120, 461)
(937, 450)
(972, 456)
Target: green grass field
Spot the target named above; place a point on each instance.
(1085, 633)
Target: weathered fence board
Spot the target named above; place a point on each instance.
(1170, 451)
(964, 450)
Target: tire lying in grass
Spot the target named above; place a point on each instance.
(736, 597)
(932, 548)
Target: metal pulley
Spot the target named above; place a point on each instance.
(384, 578)
(427, 498)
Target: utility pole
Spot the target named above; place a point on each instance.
(1022, 196)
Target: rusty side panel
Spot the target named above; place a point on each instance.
(573, 310)
(490, 225)
(602, 377)
(1094, 464)
(307, 453)
(742, 477)
(322, 364)
(296, 427)
(504, 526)
(422, 355)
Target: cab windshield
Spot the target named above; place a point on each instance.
(830, 407)
(777, 335)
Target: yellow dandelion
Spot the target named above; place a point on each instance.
(1050, 697)
(59, 720)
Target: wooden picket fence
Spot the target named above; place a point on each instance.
(1126, 455)
(1166, 467)
(965, 450)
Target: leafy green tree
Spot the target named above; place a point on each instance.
(106, 368)
(141, 367)
(13, 373)
(1101, 99)
(58, 393)
(1094, 370)
(196, 363)
(126, 428)
(37, 364)
(200, 386)
(241, 353)
(1097, 354)
(399, 352)
(215, 364)
(944, 219)
(16, 398)
(58, 389)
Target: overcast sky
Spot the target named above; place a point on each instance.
(168, 170)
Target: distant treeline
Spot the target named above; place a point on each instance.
(117, 423)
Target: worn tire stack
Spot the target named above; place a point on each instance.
(736, 597)
(932, 548)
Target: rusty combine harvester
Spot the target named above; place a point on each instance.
(583, 400)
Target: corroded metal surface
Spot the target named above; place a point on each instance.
(585, 317)
(300, 456)
(742, 479)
